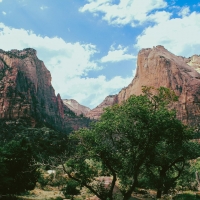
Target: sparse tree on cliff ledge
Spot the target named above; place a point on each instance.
(128, 138)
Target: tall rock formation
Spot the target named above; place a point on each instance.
(158, 67)
(76, 107)
(26, 91)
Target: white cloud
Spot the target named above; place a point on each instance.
(132, 12)
(1, 1)
(117, 55)
(185, 11)
(178, 35)
(92, 91)
(4, 13)
(74, 59)
(43, 7)
(68, 64)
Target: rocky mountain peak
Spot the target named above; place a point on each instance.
(158, 67)
(76, 107)
(108, 101)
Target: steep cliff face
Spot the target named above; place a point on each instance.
(158, 67)
(76, 107)
(96, 112)
(26, 90)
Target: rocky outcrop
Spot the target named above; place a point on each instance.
(96, 112)
(194, 62)
(158, 67)
(76, 107)
(26, 91)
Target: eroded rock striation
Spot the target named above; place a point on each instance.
(26, 92)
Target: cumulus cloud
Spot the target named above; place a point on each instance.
(178, 35)
(132, 12)
(4, 13)
(185, 11)
(95, 90)
(69, 64)
(117, 55)
(74, 58)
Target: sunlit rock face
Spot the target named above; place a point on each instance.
(76, 107)
(26, 91)
(158, 67)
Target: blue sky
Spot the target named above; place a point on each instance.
(91, 46)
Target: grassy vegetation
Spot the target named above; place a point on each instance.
(186, 196)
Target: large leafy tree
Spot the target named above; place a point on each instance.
(16, 166)
(128, 138)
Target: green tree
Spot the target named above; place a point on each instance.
(71, 189)
(16, 165)
(125, 140)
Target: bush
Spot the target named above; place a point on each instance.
(71, 189)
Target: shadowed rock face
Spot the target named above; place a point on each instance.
(158, 67)
(26, 91)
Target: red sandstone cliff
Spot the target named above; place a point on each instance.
(158, 67)
(26, 92)
(96, 112)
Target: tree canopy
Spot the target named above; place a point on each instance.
(17, 171)
(139, 135)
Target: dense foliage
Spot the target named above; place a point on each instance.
(21, 148)
(139, 138)
(139, 143)
(17, 171)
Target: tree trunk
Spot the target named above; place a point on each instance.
(159, 193)
(127, 195)
(198, 179)
(160, 183)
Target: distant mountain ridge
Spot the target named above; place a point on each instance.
(96, 112)
(76, 107)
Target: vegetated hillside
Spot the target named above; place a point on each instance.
(158, 67)
(26, 92)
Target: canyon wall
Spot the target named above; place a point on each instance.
(26, 92)
(158, 67)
